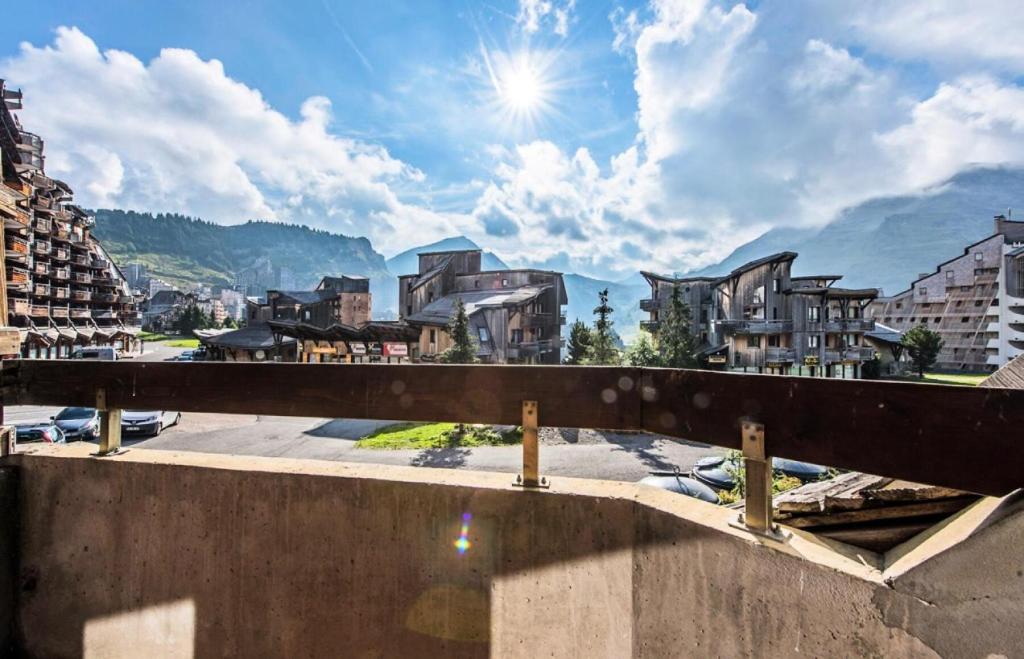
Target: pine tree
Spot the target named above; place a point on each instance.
(923, 345)
(463, 350)
(580, 340)
(643, 352)
(603, 350)
(676, 344)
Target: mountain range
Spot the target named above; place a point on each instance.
(884, 243)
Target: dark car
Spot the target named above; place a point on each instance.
(720, 472)
(150, 422)
(38, 433)
(78, 423)
(674, 482)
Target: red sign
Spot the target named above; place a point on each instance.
(396, 350)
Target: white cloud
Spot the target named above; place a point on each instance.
(178, 134)
(557, 14)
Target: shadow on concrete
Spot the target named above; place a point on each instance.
(445, 458)
(644, 447)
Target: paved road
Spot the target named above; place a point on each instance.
(600, 455)
(587, 453)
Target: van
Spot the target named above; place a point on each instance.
(102, 353)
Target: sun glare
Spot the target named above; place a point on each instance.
(521, 87)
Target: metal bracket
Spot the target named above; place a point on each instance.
(757, 514)
(110, 427)
(530, 477)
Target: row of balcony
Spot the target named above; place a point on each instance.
(20, 306)
(781, 355)
(524, 349)
(540, 319)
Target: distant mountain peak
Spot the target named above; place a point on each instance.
(407, 262)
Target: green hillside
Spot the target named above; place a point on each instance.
(189, 251)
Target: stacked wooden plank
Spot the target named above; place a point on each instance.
(868, 511)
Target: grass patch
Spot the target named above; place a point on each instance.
(437, 435)
(154, 336)
(184, 343)
(963, 379)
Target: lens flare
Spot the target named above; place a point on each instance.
(463, 544)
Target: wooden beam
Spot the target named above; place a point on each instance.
(959, 437)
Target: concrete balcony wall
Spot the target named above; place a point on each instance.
(155, 553)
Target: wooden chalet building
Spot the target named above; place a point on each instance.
(330, 324)
(515, 316)
(61, 289)
(761, 318)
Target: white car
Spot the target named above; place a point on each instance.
(135, 422)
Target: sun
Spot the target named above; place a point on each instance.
(521, 87)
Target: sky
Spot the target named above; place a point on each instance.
(597, 137)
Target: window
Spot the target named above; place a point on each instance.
(430, 296)
(850, 339)
(408, 310)
(913, 319)
(776, 285)
(814, 341)
(483, 334)
(853, 312)
(923, 290)
(773, 341)
(517, 336)
(504, 282)
(814, 314)
(936, 320)
(949, 274)
(965, 319)
(754, 342)
(977, 303)
(476, 283)
(978, 256)
(433, 336)
(959, 303)
(540, 332)
(775, 313)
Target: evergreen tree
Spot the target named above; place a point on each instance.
(676, 344)
(603, 350)
(579, 344)
(463, 350)
(230, 323)
(923, 345)
(643, 352)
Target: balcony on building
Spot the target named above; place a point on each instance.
(38, 310)
(848, 325)
(59, 292)
(81, 312)
(62, 273)
(17, 276)
(42, 225)
(41, 247)
(525, 349)
(649, 304)
(18, 306)
(79, 295)
(60, 254)
(81, 278)
(59, 311)
(755, 326)
(40, 289)
(650, 325)
(535, 319)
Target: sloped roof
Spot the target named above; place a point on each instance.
(308, 297)
(772, 258)
(1009, 376)
(885, 334)
(252, 337)
(440, 312)
(831, 291)
(438, 268)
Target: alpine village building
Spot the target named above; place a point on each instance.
(975, 302)
(515, 316)
(330, 324)
(61, 289)
(761, 318)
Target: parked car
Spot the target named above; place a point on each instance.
(199, 354)
(38, 433)
(186, 356)
(102, 353)
(675, 482)
(720, 472)
(78, 423)
(149, 422)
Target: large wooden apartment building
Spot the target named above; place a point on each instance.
(515, 316)
(974, 301)
(759, 317)
(61, 289)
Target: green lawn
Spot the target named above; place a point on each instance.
(184, 343)
(436, 435)
(153, 336)
(964, 379)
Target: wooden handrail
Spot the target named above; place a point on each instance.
(959, 437)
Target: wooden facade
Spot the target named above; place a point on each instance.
(761, 318)
(61, 289)
(515, 316)
(975, 302)
(345, 300)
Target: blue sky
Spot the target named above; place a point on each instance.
(596, 137)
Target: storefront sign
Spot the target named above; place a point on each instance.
(717, 359)
(811, 360)
(357, 348)
(396, 350)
